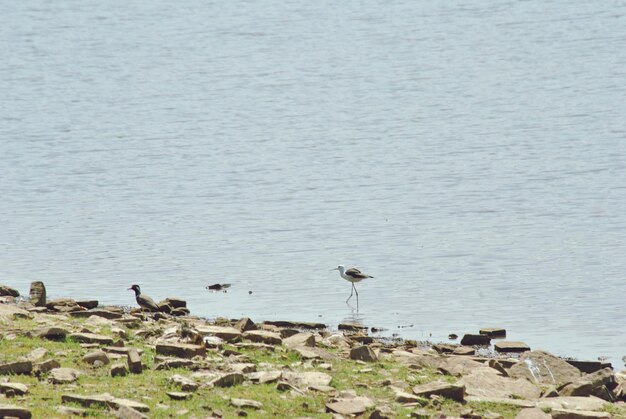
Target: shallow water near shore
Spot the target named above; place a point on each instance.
(470, 156)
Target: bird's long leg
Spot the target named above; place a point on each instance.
(351, 291)
(357, 294)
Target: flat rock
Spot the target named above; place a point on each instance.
(96, 357)
(589, 367)
(307, 352)
(10, 411)
(296, 325)
(179, 395)
(175, 302)
(454, 391)
(511, 346)
(263, 377)
(458, 366)
(13, 389)
(118, 370)
(175, 363)
(542, 367)
(63, 375)
(228, 380)
(526, 404)
(246, 404)
(472, 340)
(244, 324)
(12, 311)
(51, 333)
(107, 314)
(91, 338)
(185, 383)
(351, 327)
(103, 400)
(464, 350)
(350, 406)
(421, 359)
(532, 413)
(181, 350)
(16, 367)
(44, 367)
(87, 304)
(121, 350)
(578, 414)
(263, 336)
(125, 412)
(37, 354)
(243, 367)
(307, 378)
(8, 291)
(493, 332)
(404, 397)
(363, 353)
(71, 411)
(227, 333)
(572, 403)
(299, 339)
(486, 382)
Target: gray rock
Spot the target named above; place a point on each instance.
(88, 304)
(246, 404)
(578, 414)
(296, 325)
(175, 302)
(10, 411)
(229, 334)
(307, 379)
(532, 413)
(244, 324)
(71, 411)
(63, 375)
(63, 305)
(486, 382)
(175, 363)
(103, 400)
(96, 356)
(37, 354)
(300, 339)
(185, 383)
(363, 353)
(118, 370)
(544, 368)
(589, 367)
(107, 313)
(263, 377)
(91, 338)
(51, 333)
(45, 366)
(454, 391)
(511, 346)
(125, 412)
(134, 361)
(464, 350)
(472, 340)
(243, 367)
(38, 294)
(263, 336)
(350, 406)
(8, 291)
(16, 367)
(13, 389)
(351, 327)
(595, 384)
(574, 403)
(404, 397)
(179, 395)
(228, 380)
(493, 332)
(181, 350)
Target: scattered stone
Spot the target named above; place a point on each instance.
(229, 334)
(8, 291)
(12, 311)
(124, 350)
(16, 367)
(91, 338)
(126, 412)
(37, 294)
(578, 414)
(51, 333)
(134, 361)
(404, 397)
(228, 380)
(10, 411)
(307, 379)
(363, 353)
(181, 350)
(71, 411)
(175, 363)
(97, 356)
(532, 413)
(300, 339)
(185, 383)
(352, 327)
(88, 304)
(118, 370)
(37, 354)
(381, 414)
(421, 414)
(103, 400)
(264, 377)
(179, 395)
(464, 350)
(13, 389)
(307, 352)
(105, 313)
(597, 384)
(589, 367)
(525, 404)
(454, 391)
(263, 336)
(244, 324)
(63, 375)
(287, 333)
(573, 403)
(486, 382)
(243, 367)
(45, 366)
(542, 367)
(350, 406)
(246, 404)
(475, 340)
(511, 346)
(493, 332)
(362, 339)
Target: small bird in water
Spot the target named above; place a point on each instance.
(352, 275)
(144, 301)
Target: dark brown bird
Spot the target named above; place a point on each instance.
(144, 301)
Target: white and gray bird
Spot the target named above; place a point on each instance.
(352, 275)
(143, 300)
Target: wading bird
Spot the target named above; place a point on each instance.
(144, 301)
(352, 275)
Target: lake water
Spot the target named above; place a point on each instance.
(470, 155)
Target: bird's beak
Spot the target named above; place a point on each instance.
(336, 269)
(128, 289)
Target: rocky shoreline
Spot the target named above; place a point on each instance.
(64, 358)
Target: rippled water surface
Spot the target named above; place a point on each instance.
(469, 155)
